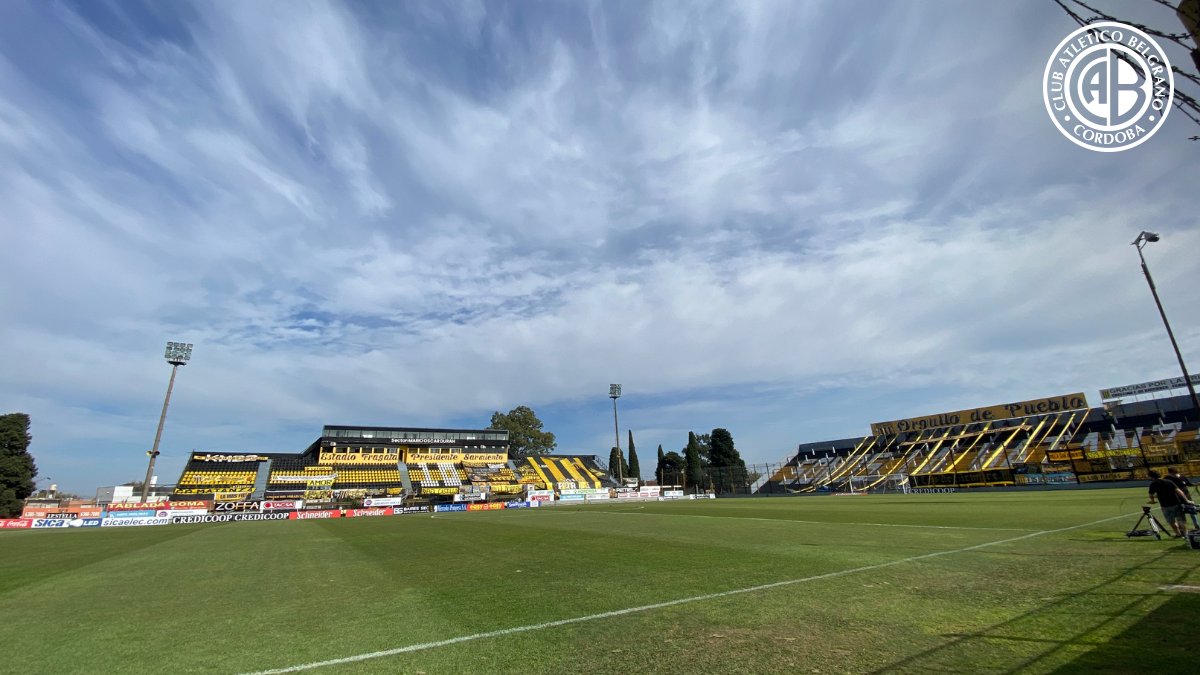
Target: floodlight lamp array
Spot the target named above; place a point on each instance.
(178, 353)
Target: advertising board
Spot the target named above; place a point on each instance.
(283, 505)
(133, 522)
(187, 504)
(441, 508)
(315, 515)
(85, 522)
(383, 501)
(41, 523)
(358, 513)
(136, 506)
(271, 515)
(171, 513)
(493, 506)
(148, 513)
(15, 523)
(236, 507)
(201, 518)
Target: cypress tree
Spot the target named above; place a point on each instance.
(635, 467)
(691, 455)
(658, 471)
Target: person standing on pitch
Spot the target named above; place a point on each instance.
(1171, 500)
(1183, 484)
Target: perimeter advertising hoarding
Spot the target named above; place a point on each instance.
(358, 513)
(493, 506)
(15, 523)
(383, 501)
(236, 507)
(522, 505)
(147, 513)
(1007, 411)
(85, 522)
(40, 523)
(440, 508)
(315, 515)
(133, 522)
(283, 505)
(229, 517)
(171, 513)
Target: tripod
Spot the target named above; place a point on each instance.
(1156, 528)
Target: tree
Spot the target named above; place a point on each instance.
(673, 468)
(691, 455)
(658, 470)
(729, 467)
(17, 468)
(704, 443)
(525, 435)
(617, 468)
(635, 467)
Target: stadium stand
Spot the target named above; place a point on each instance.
(1045, 441)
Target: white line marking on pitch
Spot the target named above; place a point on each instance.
(1181, 589)
(819, 522)
(658, 605)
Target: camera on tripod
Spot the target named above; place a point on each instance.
(1156, 529)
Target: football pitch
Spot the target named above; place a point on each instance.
(967, 582)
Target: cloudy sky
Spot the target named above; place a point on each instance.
(786, 219)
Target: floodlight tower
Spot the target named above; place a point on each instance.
(177, 354)
(614, 392)
(1149, 238)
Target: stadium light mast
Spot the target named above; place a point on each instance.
(1149, 238)
(614, 392)
(177, 354)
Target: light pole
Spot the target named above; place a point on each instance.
(177, 354)
(614, 392)
(1143, 239)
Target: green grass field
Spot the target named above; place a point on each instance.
(988, 582)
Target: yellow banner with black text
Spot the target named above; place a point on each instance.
(1007, 411)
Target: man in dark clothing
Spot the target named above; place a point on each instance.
(1171, 499)
(1183, 484)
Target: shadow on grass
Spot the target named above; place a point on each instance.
(1159, 642)
(44, 555)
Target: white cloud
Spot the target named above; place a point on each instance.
(745, 224)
